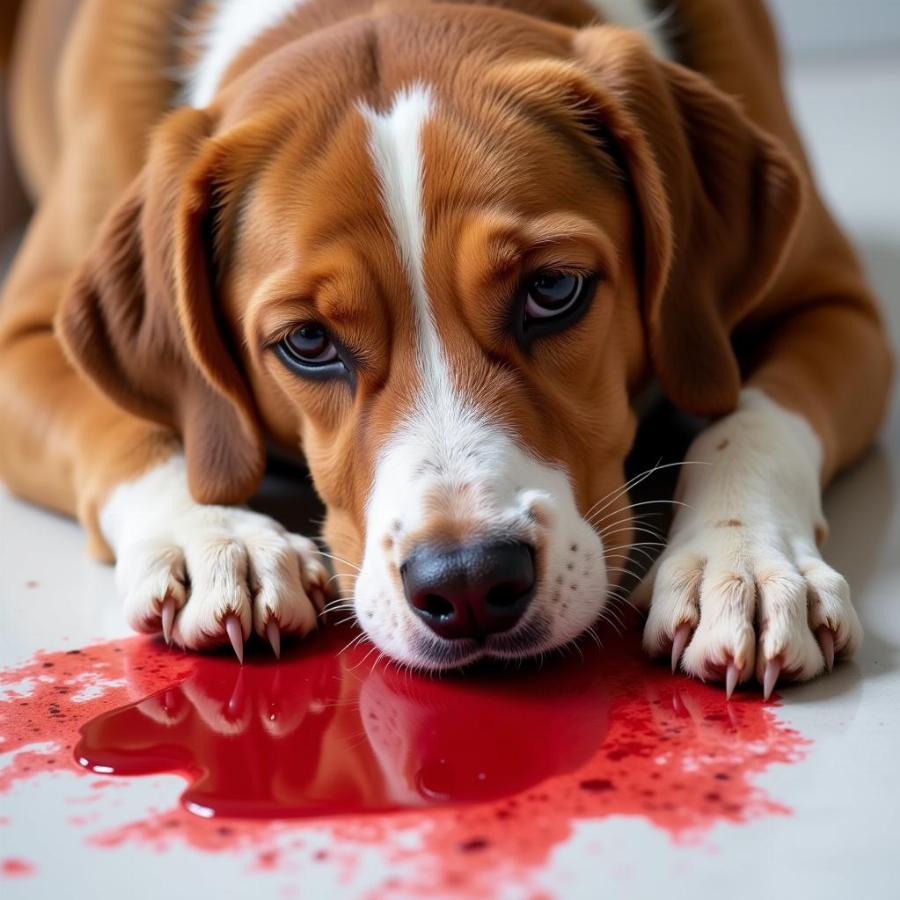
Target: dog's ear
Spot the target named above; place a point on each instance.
(140, 318)
(717, 200)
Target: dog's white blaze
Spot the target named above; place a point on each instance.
(396, 151)
(447, 436)
(233, 27)
(638, 15)
(395, 145)
(442, 420)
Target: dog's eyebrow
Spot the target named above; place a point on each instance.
(512, 239)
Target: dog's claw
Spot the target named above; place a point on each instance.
(167, 618)
(273, 633)
(236, 636)
(770, 677)
(825, 637)
(732, 673)
(679, 642)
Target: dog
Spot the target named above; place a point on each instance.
(439, 249)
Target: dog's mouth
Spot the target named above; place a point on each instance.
(529, 639)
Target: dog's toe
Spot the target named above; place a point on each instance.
(750, 605)
(218, 569)
(151, 577)
(217, 574)
(281, 602)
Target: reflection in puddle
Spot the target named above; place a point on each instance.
(326, 732)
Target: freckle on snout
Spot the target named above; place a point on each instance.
(723, 444)
(729, 523)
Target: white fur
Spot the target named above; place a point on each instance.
(755, 590)
(396, 153)
(638, 15)
(213, 560)
(234, 26)
(446, 448)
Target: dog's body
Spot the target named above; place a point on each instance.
(319, 247)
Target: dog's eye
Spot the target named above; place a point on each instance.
(310, 350)
(312, 345)
(551, 294)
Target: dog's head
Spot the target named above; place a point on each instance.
(440, 250)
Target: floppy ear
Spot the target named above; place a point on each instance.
(140, 320)
(717, 199)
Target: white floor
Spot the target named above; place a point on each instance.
(841, 839)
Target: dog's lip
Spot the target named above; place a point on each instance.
(467, 651)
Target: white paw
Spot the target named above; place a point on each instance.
(750, 597)
(206, 575)
(742, 591)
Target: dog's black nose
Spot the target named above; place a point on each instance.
(469, 591)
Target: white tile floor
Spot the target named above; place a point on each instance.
(842, 837)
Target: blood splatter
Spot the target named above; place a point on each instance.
(16, 868)
(497, 764)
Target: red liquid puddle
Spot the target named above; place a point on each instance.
(497, 765)
(323, 735)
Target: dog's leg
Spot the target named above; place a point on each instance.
(204, 574)
(742, 589)
(182, 567)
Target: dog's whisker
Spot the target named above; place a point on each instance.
(639, 548)
(338, 603)
(641, 529)
(662, 502)
(336, 577)
(637, 479)
(339, 559)
(353, 642)
(381, 656)
(373, 648)
(628, 602)
(629, 522)
(592, 634)
(641, 518)
(613, 595)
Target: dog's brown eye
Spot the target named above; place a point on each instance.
(310, 351)
(311, 345)
(550, 294)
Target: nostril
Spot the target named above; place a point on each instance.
(436, 606)
(504, 595)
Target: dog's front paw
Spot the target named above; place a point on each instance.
(729, 602)
(742, 589)
(207, 575)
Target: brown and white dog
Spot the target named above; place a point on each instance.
(440, 248)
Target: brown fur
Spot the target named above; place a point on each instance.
(169, 273)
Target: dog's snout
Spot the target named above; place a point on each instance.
(470, 591)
